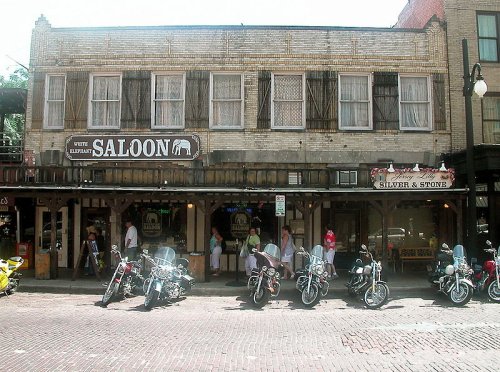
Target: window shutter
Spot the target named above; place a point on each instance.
(385, 101)
(321, 102)
(197, 99)
(438, 97)
(38, 100)
(76, 105)
(136, 100)
(264, 97)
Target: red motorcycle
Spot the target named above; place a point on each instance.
(487, 277)
(125, 280)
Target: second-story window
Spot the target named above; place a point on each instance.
(288, 104)
(168, 101)
(105, 101)
(487, 32)
(491, 119)
(55, 90)
(355, 102)
(226, 101)
(415, 103)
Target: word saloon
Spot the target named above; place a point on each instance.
(133, 147)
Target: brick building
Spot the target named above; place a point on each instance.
(181, 128)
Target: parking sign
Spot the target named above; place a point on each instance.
(280, 205)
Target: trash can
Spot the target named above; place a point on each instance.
(42, 265)
(197, 266)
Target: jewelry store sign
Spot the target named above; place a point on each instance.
(408, 179)
(132, 147)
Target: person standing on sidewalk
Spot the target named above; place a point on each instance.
(130, 241)
(287, 251)
(215, 251)
(329, 243)
(253, 241)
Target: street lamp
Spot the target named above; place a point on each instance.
(471, 84)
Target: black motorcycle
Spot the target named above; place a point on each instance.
(451, 275)
(365, 280)
(312, 280)
(168, 278)
(126, 279)
(264, 281)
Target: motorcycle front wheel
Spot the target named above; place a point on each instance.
(494, 291)
(111, 292)
(150, 299)
(376, 298)
(462, 296)
(310, 297)
(261, 297)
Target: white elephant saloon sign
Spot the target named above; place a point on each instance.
(133, 147)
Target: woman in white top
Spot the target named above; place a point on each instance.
(287, 251)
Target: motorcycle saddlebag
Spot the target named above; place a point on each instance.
(187, 282)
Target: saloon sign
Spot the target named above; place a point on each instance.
(407, 179)
(132, 147)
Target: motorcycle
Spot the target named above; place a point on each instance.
(9, 276)
(488, 276)
(451, 275)
(365, 280)
(167, 279)
(264, 281)
(126, 279)
(312, 280)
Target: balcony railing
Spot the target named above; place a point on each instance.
(222, 177)
(11, 150)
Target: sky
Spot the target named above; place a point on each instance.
(18, 17)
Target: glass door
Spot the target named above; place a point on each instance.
(43, 230)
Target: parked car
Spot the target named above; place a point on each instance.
(395, 235)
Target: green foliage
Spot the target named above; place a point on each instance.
(14, 123)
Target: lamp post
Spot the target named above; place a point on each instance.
(471, 84)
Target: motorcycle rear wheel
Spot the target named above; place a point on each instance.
(150, 299)
(110, 293)
(311, 297)
(261, 297)
(375, 299)
(494, 291)
(324, 289)
(462, 296)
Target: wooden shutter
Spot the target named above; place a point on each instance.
(136, 100)
(197, 99)
(38, 100)
(438, 102)
(385, 101)
(321, 100)
(264, 99)
(77, 98)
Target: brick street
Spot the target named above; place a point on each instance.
(56, 332)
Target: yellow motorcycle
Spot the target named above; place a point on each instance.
(9, 276)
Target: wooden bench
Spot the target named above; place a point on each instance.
(420, 254)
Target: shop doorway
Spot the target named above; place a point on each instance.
(97, 219)
(346, 228)
(43, 230)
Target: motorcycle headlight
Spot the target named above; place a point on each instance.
(317, 270)
(449, 270)
(271, 271)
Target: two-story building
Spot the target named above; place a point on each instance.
(181, 128)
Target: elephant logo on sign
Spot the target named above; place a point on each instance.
(180, 144)
(151, 217)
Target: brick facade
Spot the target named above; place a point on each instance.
(249, 50)
(417, 13)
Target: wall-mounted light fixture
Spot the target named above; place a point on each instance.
(416, 168)
(391, 169)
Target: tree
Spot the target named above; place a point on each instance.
(13, 126)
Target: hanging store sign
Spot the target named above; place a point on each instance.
(151, 223)
(240, 224)
(7, 201)
(133, 147)
(407, 179)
